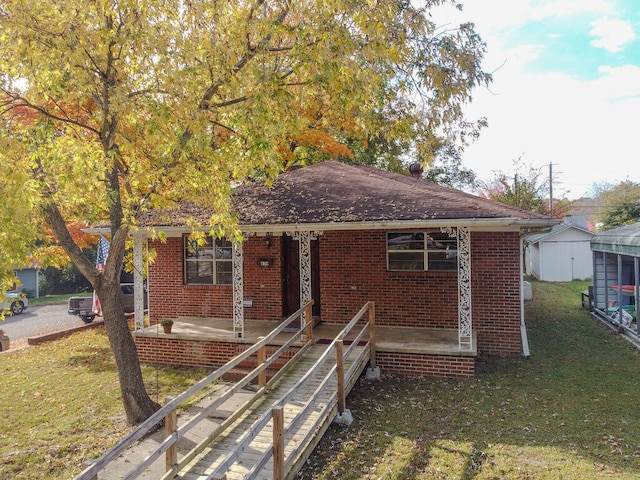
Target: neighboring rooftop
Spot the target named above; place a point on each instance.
(624, 240)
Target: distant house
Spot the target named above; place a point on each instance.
(616, 280)
(438, 263)
(561, 254)
(28, 278)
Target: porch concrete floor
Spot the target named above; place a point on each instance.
(434, 341)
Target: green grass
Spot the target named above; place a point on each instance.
(570, 411)
(54, 299)
(61, 404)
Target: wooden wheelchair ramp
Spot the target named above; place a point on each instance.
(272, 433)
(301, 412)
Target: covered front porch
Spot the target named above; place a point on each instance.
(211, 342)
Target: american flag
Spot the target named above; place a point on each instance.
(101, 259)
(103, 253)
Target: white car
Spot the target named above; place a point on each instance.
(15, 301)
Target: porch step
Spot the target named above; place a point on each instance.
(236, 374)
(245, 367)
(252, 362)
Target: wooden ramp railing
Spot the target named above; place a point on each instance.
(286, 458)
(275, 416)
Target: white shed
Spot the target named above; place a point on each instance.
(560, 255)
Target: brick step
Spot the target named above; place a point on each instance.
(252, 362)
(238, 373)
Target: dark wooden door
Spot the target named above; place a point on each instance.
(291, 271)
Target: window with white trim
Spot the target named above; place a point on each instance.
(208, 261)
(420, 251)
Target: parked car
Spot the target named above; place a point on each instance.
(83, 306)
(16, 302)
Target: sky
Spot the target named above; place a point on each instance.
(565, 91)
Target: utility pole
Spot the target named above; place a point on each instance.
(550, 189)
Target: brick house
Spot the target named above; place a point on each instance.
(434, 260)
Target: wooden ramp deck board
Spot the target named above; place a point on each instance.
(300, 439)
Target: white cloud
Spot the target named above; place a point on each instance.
(620, 83)
(492, 15)
(611, 34)
(563, 8)
(585, 128)
(554, 118)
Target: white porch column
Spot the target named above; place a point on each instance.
(138, 281)
(304, 246)
(238, 291)
(465, 324)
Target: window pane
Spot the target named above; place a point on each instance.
(223, 249)
(440, 241)
(195, 251)
(224, 273)
(199, 272)
(405, 241)
(442, 261)
(443, 251)
(406, 261)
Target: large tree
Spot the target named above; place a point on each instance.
(114, 107)
(620, 205)
(526, 187)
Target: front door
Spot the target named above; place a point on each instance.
(291, 271)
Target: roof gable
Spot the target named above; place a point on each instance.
(559, 231)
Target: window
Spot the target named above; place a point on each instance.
(208, 263)
(419, 251)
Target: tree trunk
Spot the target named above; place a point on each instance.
(138, 405)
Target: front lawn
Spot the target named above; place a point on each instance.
(61, 404)
(570, 411)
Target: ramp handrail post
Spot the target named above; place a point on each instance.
(277, 414)
(308, 326)
(170, 427)
(342, 406)
(372, 334)
(262, 356)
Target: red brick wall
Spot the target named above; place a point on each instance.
(165, 350)
(495, 278)
(174, 351)
(353, 271)
(169, 297)
(426, 365)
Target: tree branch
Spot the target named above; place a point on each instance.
(19, 101)
(56, 222)
(243, 61)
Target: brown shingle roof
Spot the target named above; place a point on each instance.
(333, 192)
